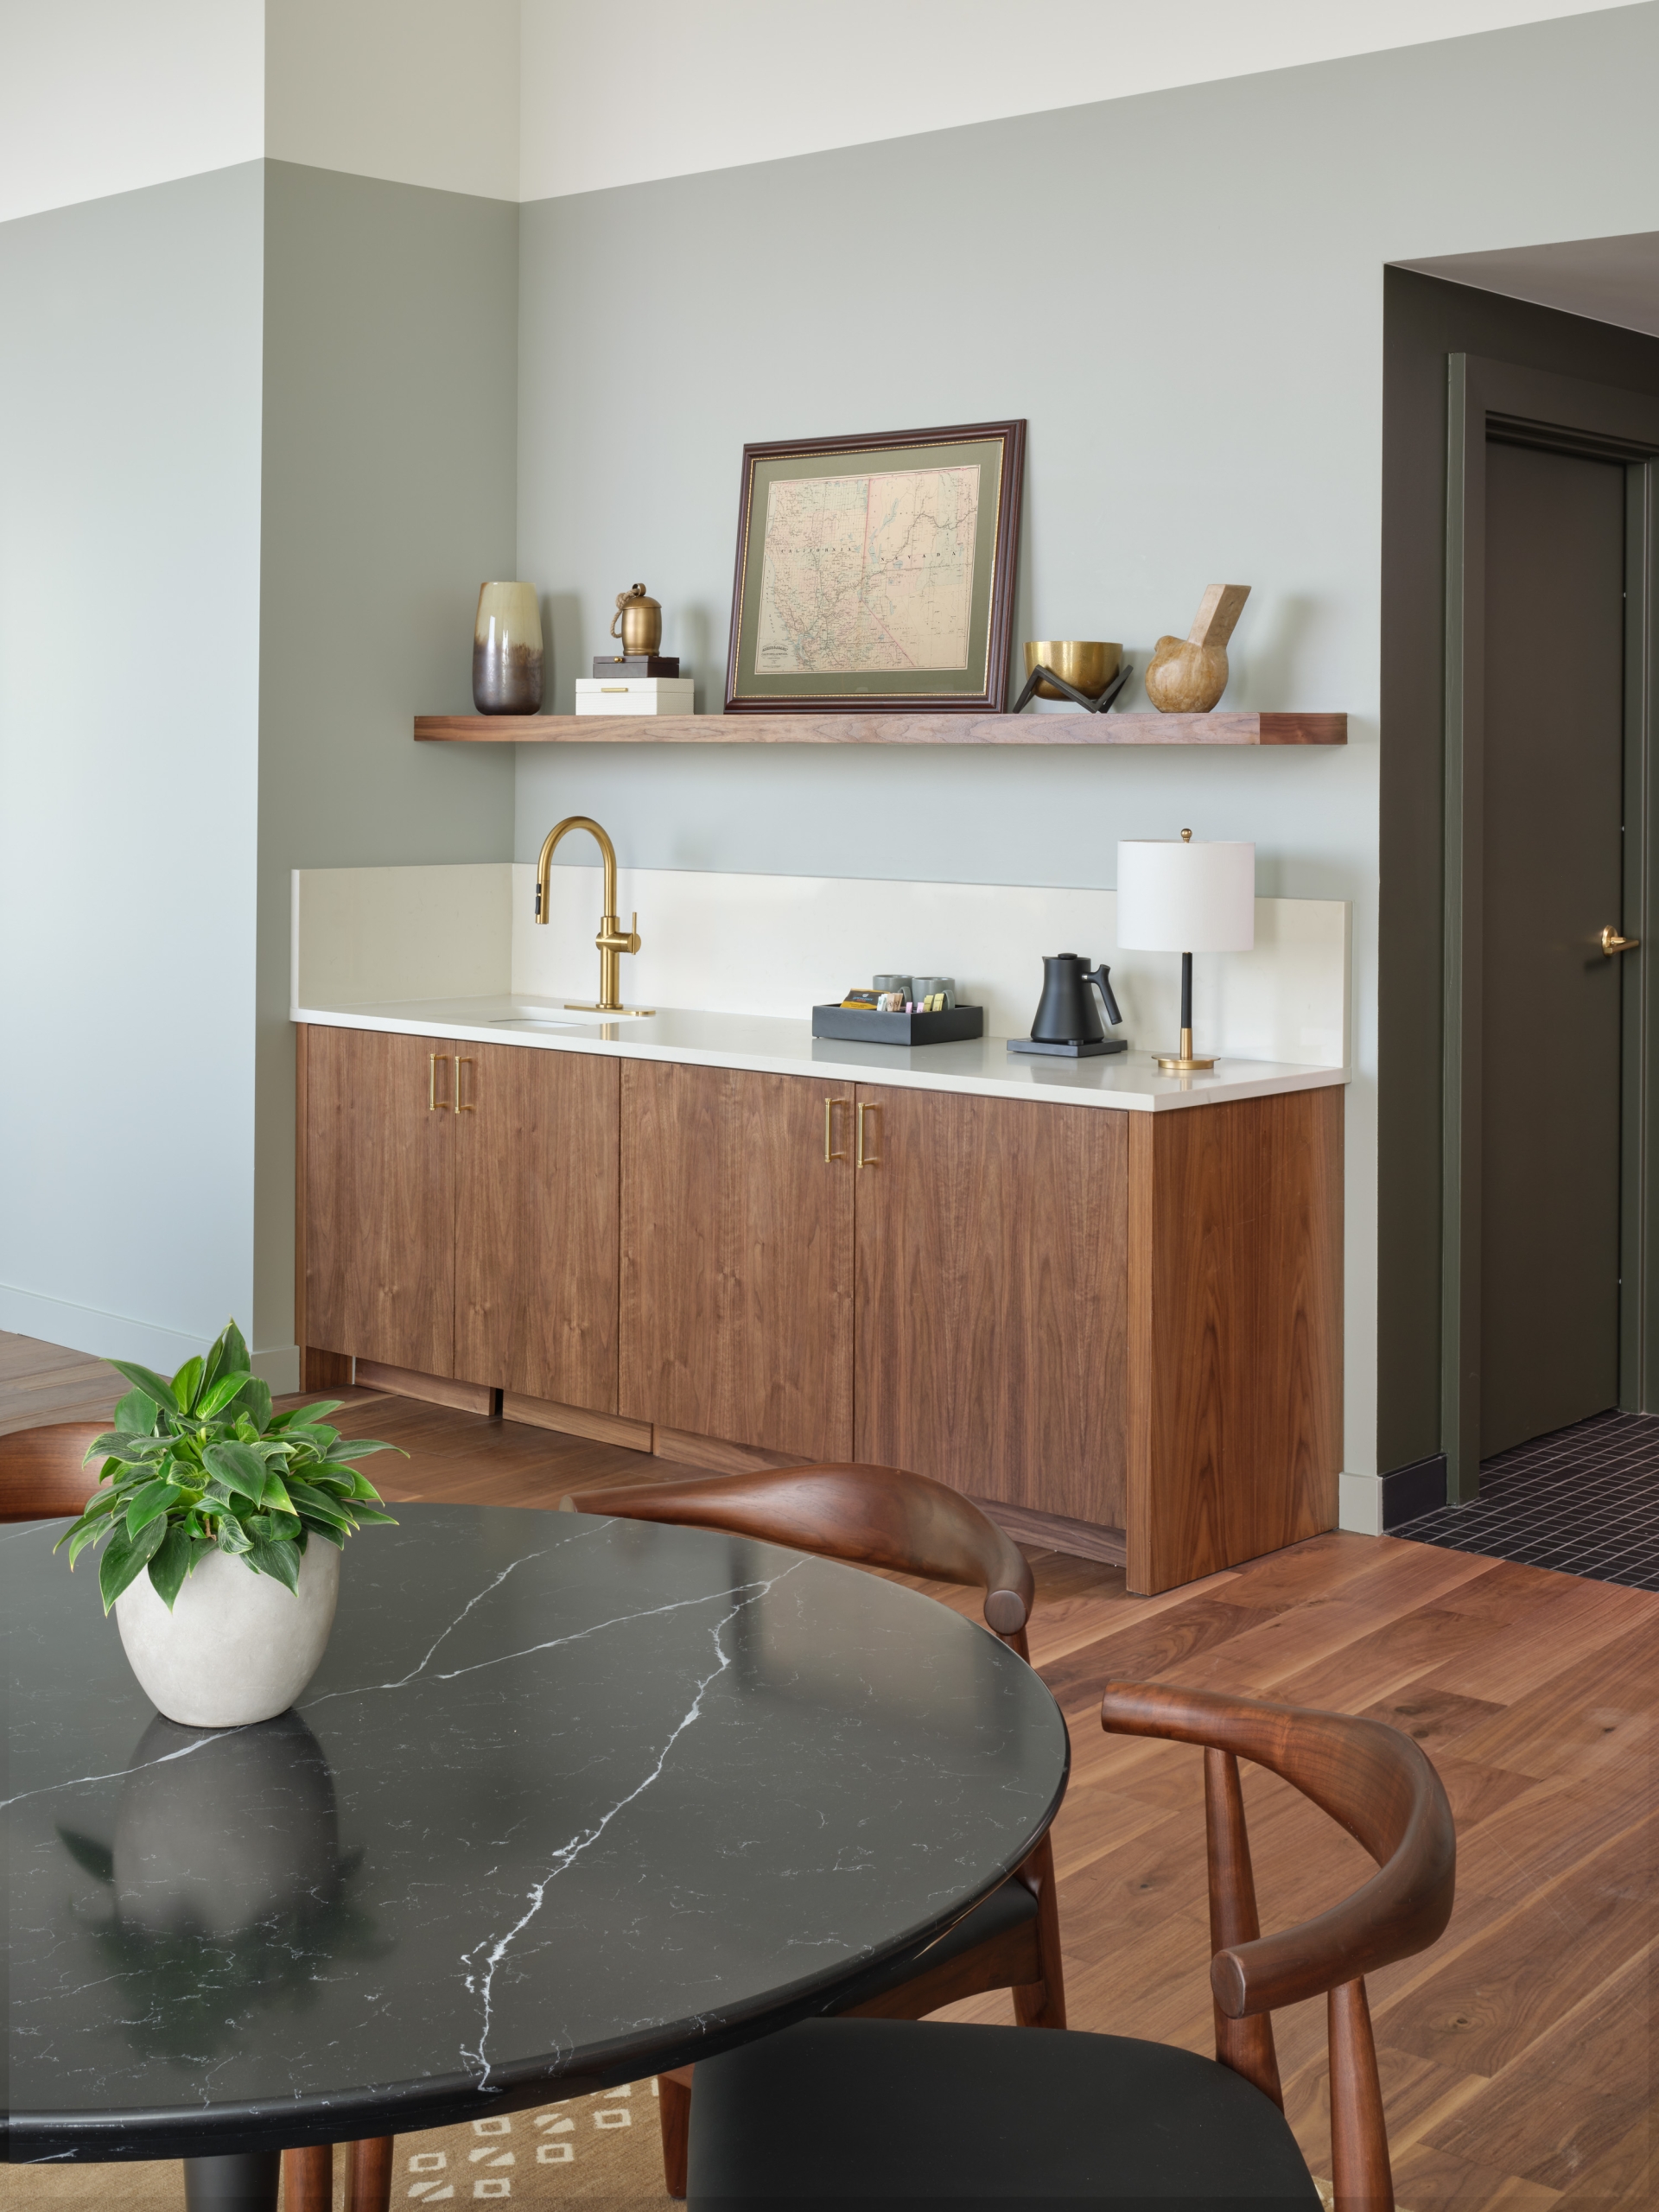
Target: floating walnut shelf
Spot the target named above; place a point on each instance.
(883, 729)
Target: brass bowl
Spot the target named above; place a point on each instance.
(1084, 662)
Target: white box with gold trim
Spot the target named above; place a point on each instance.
(637, 695)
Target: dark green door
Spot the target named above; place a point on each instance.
(1550, 997)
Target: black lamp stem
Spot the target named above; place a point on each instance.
(1185, 1061)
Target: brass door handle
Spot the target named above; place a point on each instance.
(1611, 942)
(460, 1063)
(433, 1103)
(865, 1159)
(829, 1106)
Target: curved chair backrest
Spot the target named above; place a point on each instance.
(41, 1477)
(1378, 1785)
(876, 1517)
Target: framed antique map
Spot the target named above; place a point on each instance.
(877, 572)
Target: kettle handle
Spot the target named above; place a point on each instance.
(1101, 977)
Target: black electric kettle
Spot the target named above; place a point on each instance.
(1066, 1015)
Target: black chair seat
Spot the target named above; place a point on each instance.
(1012, 1906)
(867, 2109)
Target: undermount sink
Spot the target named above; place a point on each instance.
(542, 1018)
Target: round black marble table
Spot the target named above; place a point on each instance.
(569, 1801)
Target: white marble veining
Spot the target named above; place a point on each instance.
(483, 1960)
(572, 1799)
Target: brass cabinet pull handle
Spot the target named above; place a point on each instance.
(866, 1159)
(433, 1103)
(1611, 942)
(460, 1109)
(829, 1106)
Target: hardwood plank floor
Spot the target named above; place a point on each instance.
(41, 1382)
(1517, 2055)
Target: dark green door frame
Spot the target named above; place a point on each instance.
(1493, 399)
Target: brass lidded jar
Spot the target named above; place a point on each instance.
(507, 650)
(638, 621)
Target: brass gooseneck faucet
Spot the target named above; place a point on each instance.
(613, 939)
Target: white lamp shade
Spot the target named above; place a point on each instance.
(1173, 897)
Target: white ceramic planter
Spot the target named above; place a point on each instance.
(237, 1647)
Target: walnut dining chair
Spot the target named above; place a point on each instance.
(41, 1477)
(858, 2109)
(885, 1517)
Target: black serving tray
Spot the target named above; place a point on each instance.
(853, 1025)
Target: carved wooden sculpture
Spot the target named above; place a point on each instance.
(1187, 676)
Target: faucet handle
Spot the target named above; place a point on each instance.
(611, 938)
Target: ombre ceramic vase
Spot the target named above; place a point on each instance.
(507, 650)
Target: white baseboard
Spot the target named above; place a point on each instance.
(1359, 1507)
(279, 1367)
(100, 1335)
(117, 1336)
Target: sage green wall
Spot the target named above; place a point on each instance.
(390, 390)
(1202, 373)
(130, 392)
(256, 436)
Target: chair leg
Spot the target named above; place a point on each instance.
(309, 2178)
(674, 2108)
(368, 2174)
(1042, 2004)
(1359, 2135)
(1246, 2045)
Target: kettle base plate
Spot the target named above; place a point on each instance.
(1087, 1051)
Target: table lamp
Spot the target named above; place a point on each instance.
(1185, 897)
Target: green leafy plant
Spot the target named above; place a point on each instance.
(202, 1463)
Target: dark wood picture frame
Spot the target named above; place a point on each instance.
(995, 601)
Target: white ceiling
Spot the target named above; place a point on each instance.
(1611, 280)
(664, 88)
(525, 99)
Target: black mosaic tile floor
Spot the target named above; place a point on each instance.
(1584, 1501)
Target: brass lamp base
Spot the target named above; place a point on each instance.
(1183, 1062)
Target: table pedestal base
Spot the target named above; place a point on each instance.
(244, 2181)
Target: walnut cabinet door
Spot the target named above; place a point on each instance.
(537, 1201)
(991, 1297)
(737, 1257)
(459, 1212)
(379, 1197)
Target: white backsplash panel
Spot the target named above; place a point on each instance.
(778, 944)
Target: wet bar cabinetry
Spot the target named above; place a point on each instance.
(458, 1216)
(736, 1289)
(1119, 1329)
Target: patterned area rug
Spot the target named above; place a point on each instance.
(602, 2150)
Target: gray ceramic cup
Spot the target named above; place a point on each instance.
(927, 987)
(899, 983)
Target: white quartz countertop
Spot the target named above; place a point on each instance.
(1129, 1081)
